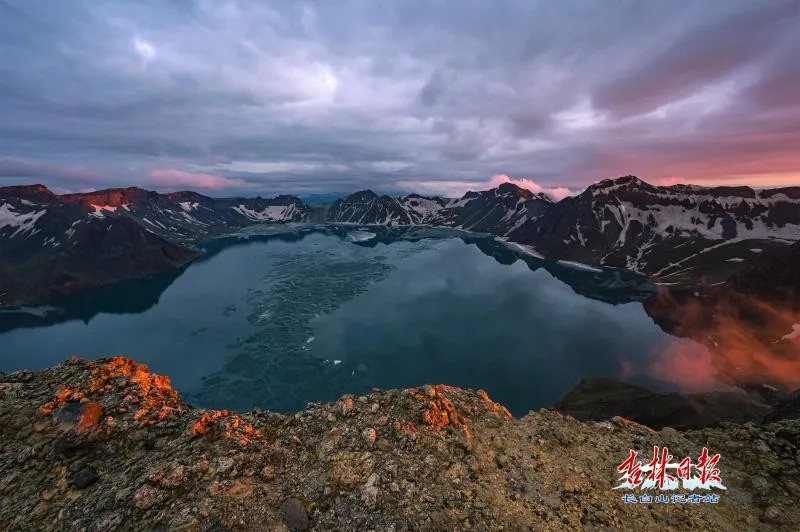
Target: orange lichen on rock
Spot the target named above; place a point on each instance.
(153, 394)
(207, 420)
(90, 415)
(63, 396)
(495, 407)
(230, 425)
(447, 406)
(441, 412)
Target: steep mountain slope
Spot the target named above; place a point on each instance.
(498, 211)
(50, 248)
(672, 233)
(366, 207)
(188, 216)
(55, 245)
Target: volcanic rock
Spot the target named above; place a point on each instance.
(84, 477)
(455, 461)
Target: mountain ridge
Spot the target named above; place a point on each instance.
(623, 222)
(54, 245)
(678, 235)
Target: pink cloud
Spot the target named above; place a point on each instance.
(754, 181)
(178, 178)
(557, 193)
(454, 189)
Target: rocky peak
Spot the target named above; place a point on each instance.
(113, 197)
(418, 196)
(187, 195)
(631, 180)
(628, 182)
(362, 196)
(27, 192)
(511, 188)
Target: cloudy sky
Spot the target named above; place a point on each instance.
(247, 97)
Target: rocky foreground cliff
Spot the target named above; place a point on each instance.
(108, 445)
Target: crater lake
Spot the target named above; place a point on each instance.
(279, 316)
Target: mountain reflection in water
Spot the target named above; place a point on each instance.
(278, 316)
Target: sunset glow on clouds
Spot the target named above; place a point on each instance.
(247, 97)
(178, 179)
(554, 192)
(455, 189)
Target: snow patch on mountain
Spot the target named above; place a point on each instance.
(192, 219)
(23, 222)
(695, 222)
(70, 232)
(99, 209)
(694, 255)
(522, 220)
(456, 203)
(271, 213)
(579, 266)
(423, 206)
(146, 220)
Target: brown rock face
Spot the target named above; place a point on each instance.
(294, 515)
(148, 496)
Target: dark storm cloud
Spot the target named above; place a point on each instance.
(687, 62)
(16, 169)
(440, 96)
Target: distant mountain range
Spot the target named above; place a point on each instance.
(55, 245)
(675, 234)
(681, 235)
